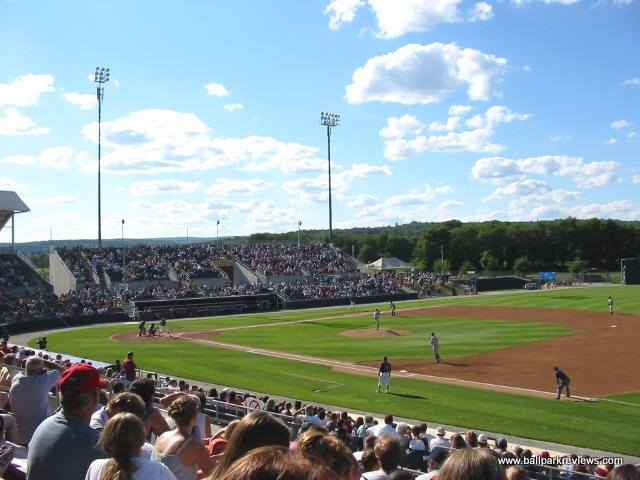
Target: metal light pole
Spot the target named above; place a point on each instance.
(101, 76)
(217, 234)
(299, 224)
(441, 259)
(124, 260)
(329, 120)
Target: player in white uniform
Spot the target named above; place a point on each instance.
(610, 302)
(376, 318)
(435, 345)
(384, 375)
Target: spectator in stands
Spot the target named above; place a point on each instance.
(203, 423)
(64, 445)
(309, 416)
(7, 373)
(275, 463)
(129, 367)
(471, 464)
(29, 395)
(482, 441)
(457, 442)
(501, 446)
(257, 429)
(624, 472)
(389, 453)
(153, 420)
(122, 440)
(439, 441)
(517, 473)
(416, 454)
(177, 448)
(368, 458)
(401, 475)
(436, 459)
(471, 438)
(219, 440)
(122, 402)
(384, 429)
(321, 448)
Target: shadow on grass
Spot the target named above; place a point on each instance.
(408, 395)
(455, 364)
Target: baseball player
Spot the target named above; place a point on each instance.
(610, 302)
(352, 305)
(563, 381)
(392, 307)
(435, 345)
(384, 375)
(376, 318)
(164, 329)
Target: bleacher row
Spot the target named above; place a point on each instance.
(169, 272)
(227, 430)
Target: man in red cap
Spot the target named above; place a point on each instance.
(64, 445)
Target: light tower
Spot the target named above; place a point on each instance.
(329, 120)
(101, 76)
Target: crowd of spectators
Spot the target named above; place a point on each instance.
(285, 259)
(142, 262)
(110, 426)
(184, 289)
(196, 260)
(75, 260)
(359, 285)
(89, 300)
(425, 283)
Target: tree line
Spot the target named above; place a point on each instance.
(557, 245)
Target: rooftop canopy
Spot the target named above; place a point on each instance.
(391, 263)
(10, 203)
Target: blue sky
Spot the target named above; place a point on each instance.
(510, 110)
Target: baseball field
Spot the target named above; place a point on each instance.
(497, 371)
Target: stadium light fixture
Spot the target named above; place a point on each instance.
(329, 120)
(100, 77)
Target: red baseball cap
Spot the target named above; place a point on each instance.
(81, 378)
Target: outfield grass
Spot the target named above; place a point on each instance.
(464, 337)
(603, 425)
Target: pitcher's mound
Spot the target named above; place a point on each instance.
(372, 332)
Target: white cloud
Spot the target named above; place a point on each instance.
(398, 17)
(416, 197)
(13, 123)
(363, 200)
(7, 183)
(163, 187)
(619, 209)
(232, 107)
(618, 124)
(86, 101)
(422, 74)
(623, 3)
(26, 90)
(459, 110)
(216, 90)
(481, 11)
(18, 160)
(548, 2)
(342, 11)
(611, 141)
(266, 215)
(316, 189)
(632, 81)
(632, 135)
(160, 141)
(476, 138)
(636, 179)
(585, 175)
(519, 188)
(527, 68)
(56, 157)
(399, 127)
(58, 201)
(231, 186)
(560, 137)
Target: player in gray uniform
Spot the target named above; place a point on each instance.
(610, 302)
(376, 318)
(435, 345)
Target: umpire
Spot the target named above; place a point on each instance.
(563, 382)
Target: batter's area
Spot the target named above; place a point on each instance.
(601, 358)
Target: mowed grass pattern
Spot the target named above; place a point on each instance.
(602, 425)
(458, 336)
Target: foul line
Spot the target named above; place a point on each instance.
(619, 401)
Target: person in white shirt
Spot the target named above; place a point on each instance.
(436, 459)
(383, 429)
(122, 439)
(435, 346)
(29, 395)
(610, 302)
(439, 441)
(376, 318)
(389, 453)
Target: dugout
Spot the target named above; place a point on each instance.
(630, 269)
(152, 310)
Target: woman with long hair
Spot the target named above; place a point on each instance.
(177, 448)
(153, 420)
(122, 439)
(472, 464)
(257, 429)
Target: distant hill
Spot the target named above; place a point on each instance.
(29, 248)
